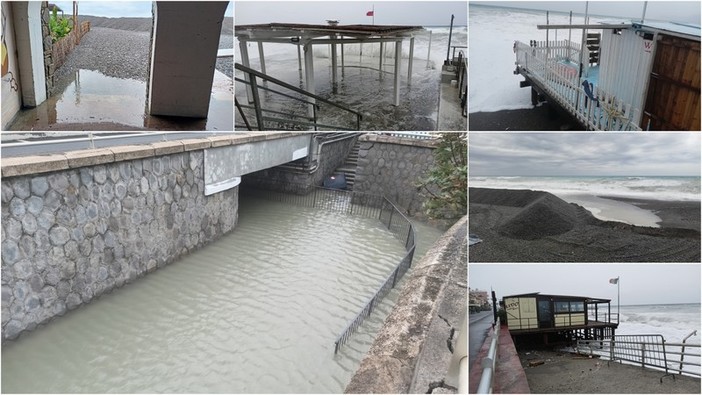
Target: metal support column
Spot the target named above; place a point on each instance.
(411, 60)
(429, 50)
(342, 59)
(261, 57)
(243, 49)
(333, 64)
(309, 76)
(398, 64)
(380, 58)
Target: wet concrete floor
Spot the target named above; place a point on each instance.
(94, 101)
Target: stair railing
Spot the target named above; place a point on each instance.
(256, 105)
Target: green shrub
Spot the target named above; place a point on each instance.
(447, 181)
(59, 25)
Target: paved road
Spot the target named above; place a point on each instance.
(477, 332)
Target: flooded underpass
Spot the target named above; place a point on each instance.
(257, 311)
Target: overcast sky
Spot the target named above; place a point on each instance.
(676, 11)
(639, 283)
(584, 154)
(116, 9)
(420, 13)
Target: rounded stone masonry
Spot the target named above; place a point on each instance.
(72, 234)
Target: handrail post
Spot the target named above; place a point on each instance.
(256, 102)
(682, 349)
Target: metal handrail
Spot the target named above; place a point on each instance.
(650, 351)
(253, 74)
(391, 280)
(487, 379)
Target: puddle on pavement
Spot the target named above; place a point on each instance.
(93, 98)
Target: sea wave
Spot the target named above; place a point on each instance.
(638, 187)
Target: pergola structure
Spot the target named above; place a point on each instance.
(305, 36)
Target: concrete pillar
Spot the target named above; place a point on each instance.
(26, 17)
(411, 60)
(398, 65)
(309, 76)
(299, 58)
(380, 57)
(183, 56)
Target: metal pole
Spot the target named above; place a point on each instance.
(582, 41)
(448, 50)
(398, 65)
(243, 49)
(411, 59)
(333, 64)
(309, 77)
(643, 16)
(261, 57)
(618, 301)
(380, 57)
(429, 50)
(570, 32)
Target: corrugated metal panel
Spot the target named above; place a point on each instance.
(625, 66)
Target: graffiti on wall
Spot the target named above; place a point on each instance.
(6, 57)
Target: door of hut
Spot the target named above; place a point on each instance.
(673, 98)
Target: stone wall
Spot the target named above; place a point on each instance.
(71, 235)
(392, 166)
(299, 178)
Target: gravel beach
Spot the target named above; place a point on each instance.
(564, 373)
(534, 226)
(119, 47)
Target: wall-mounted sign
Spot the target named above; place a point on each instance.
(648, 46)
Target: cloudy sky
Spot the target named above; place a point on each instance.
(639, 284)
(423, 13)
(584, 154)
(115, 9)
(676, 11)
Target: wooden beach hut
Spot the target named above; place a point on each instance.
(631, 76)
(568, 317)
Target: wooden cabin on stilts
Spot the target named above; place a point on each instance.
(641, 75)
(559, 318)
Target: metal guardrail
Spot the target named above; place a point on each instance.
(366, 205)
(299, 95)
(487, 379)
(414, 135)
(651, 351)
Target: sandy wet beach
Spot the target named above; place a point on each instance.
(564, 373)
(535, 226)
(540, 118)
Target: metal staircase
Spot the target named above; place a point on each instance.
(301, 111)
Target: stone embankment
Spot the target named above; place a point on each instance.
(414, 348)
(80, 224)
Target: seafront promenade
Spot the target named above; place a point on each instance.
(555, 372)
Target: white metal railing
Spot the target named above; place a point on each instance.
(555, 66)
(487, 379)
(651, 351)
(415, 135)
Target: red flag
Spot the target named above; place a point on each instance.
(369, 13)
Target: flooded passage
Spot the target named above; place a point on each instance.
(257, 311)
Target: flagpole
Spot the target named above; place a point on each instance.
(373, 13)
(618, 300)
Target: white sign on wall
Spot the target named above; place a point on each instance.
(648, 45)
